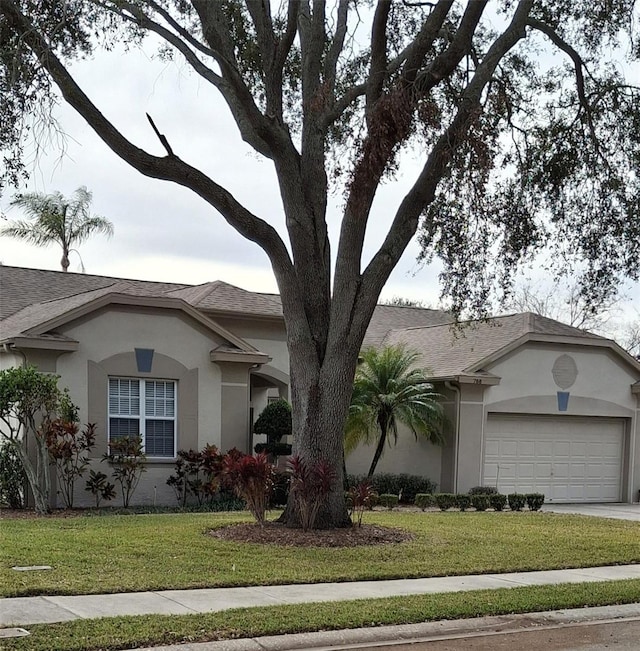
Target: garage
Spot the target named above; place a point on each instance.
(569, 459)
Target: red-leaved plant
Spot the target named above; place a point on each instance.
(251, 479)
(67, 446)
(310, 485)
(359, 499)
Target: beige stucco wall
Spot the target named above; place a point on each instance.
(602, 388)
(407, 456)
(109, 337)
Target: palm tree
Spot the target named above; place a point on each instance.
(388, 391)
(56, 219)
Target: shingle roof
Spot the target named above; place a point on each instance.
(31, 297)
(21, 287)
(219, 296)
(388, 317)
(449, 351)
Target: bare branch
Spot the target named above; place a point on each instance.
(163, 140)
(169, 168)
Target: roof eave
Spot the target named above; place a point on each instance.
(469, 378)
(240, 356)
(43, 343)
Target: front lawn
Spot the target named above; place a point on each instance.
(155, 552)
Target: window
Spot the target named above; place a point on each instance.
(146, 408)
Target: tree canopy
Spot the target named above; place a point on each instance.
(521, 113)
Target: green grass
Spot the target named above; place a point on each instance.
(129, 632)
(154, 552)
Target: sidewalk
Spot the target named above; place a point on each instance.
(24, 611)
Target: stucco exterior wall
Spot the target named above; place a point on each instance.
(601, 387)
(407, 456)
(181, 352)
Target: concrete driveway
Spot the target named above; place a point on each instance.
(613, 510)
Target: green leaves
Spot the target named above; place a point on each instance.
(387, 391)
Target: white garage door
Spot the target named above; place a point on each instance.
(568, 459)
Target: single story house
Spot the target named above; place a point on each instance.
(532, 404)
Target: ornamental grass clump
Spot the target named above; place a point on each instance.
(251, 478)
(310, 484)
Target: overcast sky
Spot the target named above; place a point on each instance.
(163, 231)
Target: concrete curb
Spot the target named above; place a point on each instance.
(428, 631)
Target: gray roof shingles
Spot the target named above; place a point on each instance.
(30, 297)
(448, 351)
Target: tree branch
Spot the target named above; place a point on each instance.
(405, 222)
(169, 168)
(578, 65)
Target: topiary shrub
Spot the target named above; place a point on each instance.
(388, 500)
(483, 490)
(463, 501)
(534, 501)
(498, 501)
(480, 501)
(424, 500)
(516, 501)
(445, 501)
(274, 422)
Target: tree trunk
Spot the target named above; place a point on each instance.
(320, 403)
(39, 485)
(378, 453)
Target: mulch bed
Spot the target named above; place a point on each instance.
(277, 534)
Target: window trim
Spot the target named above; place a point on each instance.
(142, 417)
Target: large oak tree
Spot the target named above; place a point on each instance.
(528, 132)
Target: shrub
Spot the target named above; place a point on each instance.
(12, 478)
(404, 485)
(424, 500)
(252, 480)
(67, 446)
(445, 501)
(516, 501)
(360, 498)
(274, 421)
(480, 501)
(463, 501)
(534, 501)
(100, 487)
(197, 474)
(127, 458)
(498, 501)
(310, 485)
(275, 449)
(483, 490)
(388, 500)
(280, 492)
